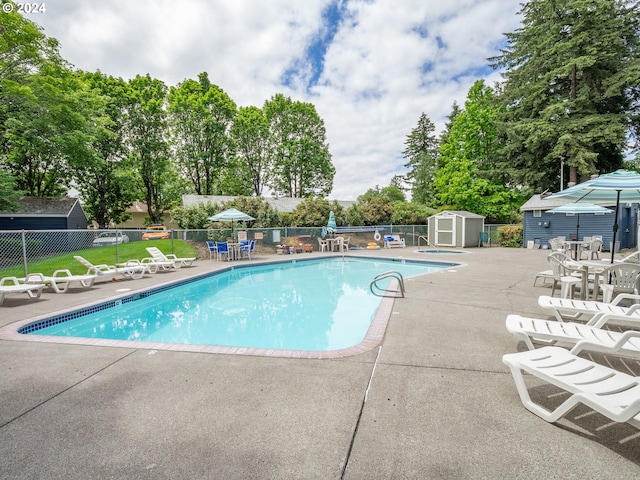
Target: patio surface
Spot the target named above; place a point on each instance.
(433, 401)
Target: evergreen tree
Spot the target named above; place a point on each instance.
(421, 149)
(571, 89)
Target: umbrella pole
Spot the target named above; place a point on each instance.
(575, 255)
(615, 227)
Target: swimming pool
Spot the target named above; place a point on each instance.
(321, 305)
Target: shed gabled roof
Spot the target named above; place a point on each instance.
(43, 207)
(459, 213)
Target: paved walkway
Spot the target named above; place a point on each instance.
(434, 401)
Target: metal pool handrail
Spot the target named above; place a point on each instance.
(391, 274)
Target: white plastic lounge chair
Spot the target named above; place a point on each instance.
(157, 254)
(572, 309)
(550, 331)
(131, 271)
(151, 264)
(614, 394)
(61, 280)
(394, 241)
(13, 285)
(545, 275)
(631, 258)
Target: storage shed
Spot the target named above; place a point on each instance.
(45, 213)
(455, 228)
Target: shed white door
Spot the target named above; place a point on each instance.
(445, 231)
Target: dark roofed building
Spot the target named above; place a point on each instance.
(45, 213)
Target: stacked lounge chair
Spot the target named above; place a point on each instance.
(612, 393)
(13, 285)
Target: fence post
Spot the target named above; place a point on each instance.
(117, 248)
(24, 254)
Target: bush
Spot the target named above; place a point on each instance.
(510, 236)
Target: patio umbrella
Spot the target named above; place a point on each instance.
(231, 215)
(609, 189)
(331, 224)
(578, 208)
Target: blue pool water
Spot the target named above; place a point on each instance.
(323, 304)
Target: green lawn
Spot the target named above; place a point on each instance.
(101, 255)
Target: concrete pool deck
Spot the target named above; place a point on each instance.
(433, 401)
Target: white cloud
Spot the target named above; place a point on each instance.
(389, 60)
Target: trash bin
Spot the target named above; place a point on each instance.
(617, 246)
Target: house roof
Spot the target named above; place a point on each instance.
(281, 204)
(43, 206)
(537, 202)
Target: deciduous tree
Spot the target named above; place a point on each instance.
(299, 153)
(201, 115)
(148, 149)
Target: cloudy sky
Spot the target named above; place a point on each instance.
(370, 67)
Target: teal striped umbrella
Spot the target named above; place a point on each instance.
(578, 208)
(609, 189)
(331, 224)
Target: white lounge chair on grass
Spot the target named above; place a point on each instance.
(550, 331)
(131, 271)
(572, 309)
(614, 394)
(13, 285)
(157, 254)
(61, 280)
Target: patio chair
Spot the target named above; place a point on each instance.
(612, 393)
(61, 280)
(248, 248)
(593, 249)
(222, 249)
(324, 246)
(179, 262)
(618, 278)
(484, 239)
(212, 249)
(13, 285)
(572, 309)
(131, 271)
(557, 244)
(343, 245)
(551, 332)
(567, 276)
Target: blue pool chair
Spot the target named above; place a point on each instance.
(222, 249)
(248, 248)
(212, 249)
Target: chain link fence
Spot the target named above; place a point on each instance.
(29, 251)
